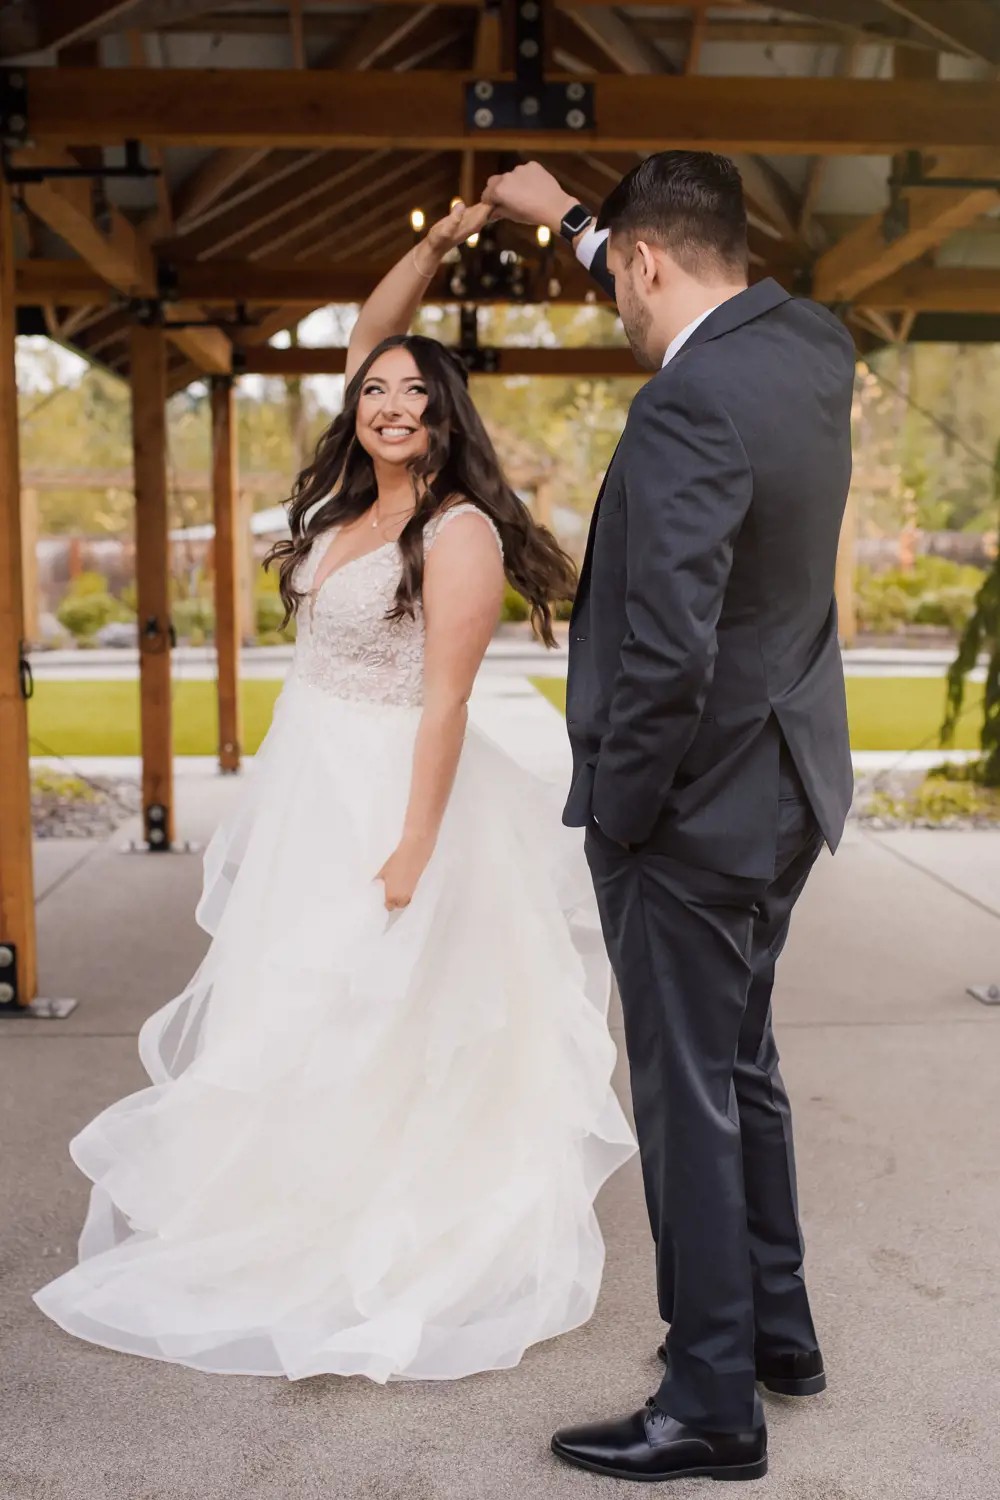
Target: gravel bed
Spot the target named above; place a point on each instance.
(67, 807)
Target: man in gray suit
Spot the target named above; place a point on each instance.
(707, 715)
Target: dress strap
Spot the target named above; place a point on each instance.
(463, 508)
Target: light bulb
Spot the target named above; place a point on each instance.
(543, 235)
(417, 220)
(473, 240)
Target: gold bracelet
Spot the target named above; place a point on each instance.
(426, 275)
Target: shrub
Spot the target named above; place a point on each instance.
(269, 610)
(193, 617)
(936, 591)
(83, 615)
(86, 584)
(515, 606)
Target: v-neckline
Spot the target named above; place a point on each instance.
(317, 588)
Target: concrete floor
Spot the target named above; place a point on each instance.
(893, 1071)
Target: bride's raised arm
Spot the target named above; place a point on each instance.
(391, 307)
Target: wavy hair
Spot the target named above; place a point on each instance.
(460, 464)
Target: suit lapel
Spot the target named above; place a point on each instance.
(591, 534)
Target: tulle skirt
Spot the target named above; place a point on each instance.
(372, 1143)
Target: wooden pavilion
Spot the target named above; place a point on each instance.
(184, 179)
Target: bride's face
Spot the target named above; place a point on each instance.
(391, 406)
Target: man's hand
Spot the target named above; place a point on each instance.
(529, 195)
(454, 229)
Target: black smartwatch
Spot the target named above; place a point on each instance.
(575, 222)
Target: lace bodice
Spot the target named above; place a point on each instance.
(344, 643)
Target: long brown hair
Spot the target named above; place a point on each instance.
(460, 463)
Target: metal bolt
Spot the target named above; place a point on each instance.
(483, 118)
(575, 92)
(576, 119)
(529, 106)
(6, 994)
(6, 956)
(528, 48)
(483, 89)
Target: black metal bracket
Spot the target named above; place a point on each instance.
(9, 989)
(13, 108)
(150, 312)
(910, 174)
(133, 167)
(477, 359)
(25, 674)
(531, 102)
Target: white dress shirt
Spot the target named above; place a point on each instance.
(585, 252)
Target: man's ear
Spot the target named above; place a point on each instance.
(648, 268)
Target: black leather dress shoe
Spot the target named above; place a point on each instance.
(651, 1446)
(795, 1374)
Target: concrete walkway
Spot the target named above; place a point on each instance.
(893, 1070)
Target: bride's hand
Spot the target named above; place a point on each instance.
(402, 871)
(455, 228)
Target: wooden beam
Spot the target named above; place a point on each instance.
(149, 456)
(119, 253)
(922, 288)
(265, 359)
(17, 890)
(868, 255)
(225, 567)
(971, 27)
(242, 107)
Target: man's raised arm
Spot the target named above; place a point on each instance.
(531, 195)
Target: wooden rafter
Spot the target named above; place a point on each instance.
(868, 254)
(116, 251)
(805, 116)
(265, 359)
(968, 26)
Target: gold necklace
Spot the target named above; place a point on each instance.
(380, 521)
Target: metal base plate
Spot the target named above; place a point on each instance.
(41, 1009)
(986, 994)
(139, 846)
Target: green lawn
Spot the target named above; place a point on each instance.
(886, 713)
(102, 718)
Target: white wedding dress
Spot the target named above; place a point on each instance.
(372, 1143)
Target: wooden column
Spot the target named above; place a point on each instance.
(247, 566)
(846, 563)
(29, 564)
(17, 888)
(149, 456)
(226, 571)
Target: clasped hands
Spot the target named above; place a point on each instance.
(528, 195)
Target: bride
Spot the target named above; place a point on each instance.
(381, 1110)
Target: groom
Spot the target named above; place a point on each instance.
(707, 715)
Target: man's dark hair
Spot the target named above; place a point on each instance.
(690, 203)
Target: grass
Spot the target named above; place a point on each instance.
(886, 713)
(102, 718)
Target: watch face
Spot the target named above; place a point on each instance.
(576, 220)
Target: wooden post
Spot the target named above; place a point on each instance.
(226, 571)
(17, 887)
(29, 564)
(847, 611)
(149, 450)
(247, 565)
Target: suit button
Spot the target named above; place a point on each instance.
(571, 723)
(579, 638)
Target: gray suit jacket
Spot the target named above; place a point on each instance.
(705, 629)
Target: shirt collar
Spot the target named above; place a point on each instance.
(685, 333)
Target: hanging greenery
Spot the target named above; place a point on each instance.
(982, 633)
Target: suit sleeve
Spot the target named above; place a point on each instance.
(688, 487)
